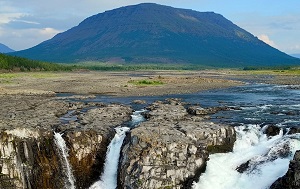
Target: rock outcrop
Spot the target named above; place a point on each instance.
(171, 148)
(168, 150)
(291, 180)
(29, 157)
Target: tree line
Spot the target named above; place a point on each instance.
(13, 63)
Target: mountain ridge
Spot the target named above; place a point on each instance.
(156, 33)
(5, 49)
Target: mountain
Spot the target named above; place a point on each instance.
(296, 55)
(148, 33)
(5, 49)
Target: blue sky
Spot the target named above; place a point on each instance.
(24, 24)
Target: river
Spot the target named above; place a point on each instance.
(256, 106)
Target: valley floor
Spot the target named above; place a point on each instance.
(141, 83)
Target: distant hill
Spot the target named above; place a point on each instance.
(5, 49)
(14, 63)
(296, 55)
(151, 33)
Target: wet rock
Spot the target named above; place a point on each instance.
(294, 130)
(243, 167)
(197, 110)
(139, 102)
(170, 149)
(291, 180)
(272, 130)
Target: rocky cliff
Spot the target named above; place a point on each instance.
(171, 148)
(168, 150)
(29, 157)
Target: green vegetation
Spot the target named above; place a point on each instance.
(268, 68)
(146, 82)
(100, 66)
(13, 63)
(278, 70)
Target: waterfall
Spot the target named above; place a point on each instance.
(63, 151)
(256, 161)
(108, 179)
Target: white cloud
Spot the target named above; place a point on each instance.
(267, 40)
(25, 38)
(28, 22)
(8, 17)
(50, 32)
(294, 49)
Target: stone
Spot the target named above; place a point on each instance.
(291, 180)
(29, 157)
(176, 143)
(272, 130)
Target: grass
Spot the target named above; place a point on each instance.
(273, 70)
(146, 82)
(8, 75)
(41, 75)
(38, 75)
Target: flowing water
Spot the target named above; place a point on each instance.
(108, 179)
(63, 151)
(267, 159)
(257, 159)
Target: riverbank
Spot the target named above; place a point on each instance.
(140, 83)
(146, 83)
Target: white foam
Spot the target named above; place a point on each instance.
(137, 117)
(265, 163)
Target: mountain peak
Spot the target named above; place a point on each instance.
(150, 32)
(5, 49)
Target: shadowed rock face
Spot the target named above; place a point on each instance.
(170, 148)
(291, 180)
